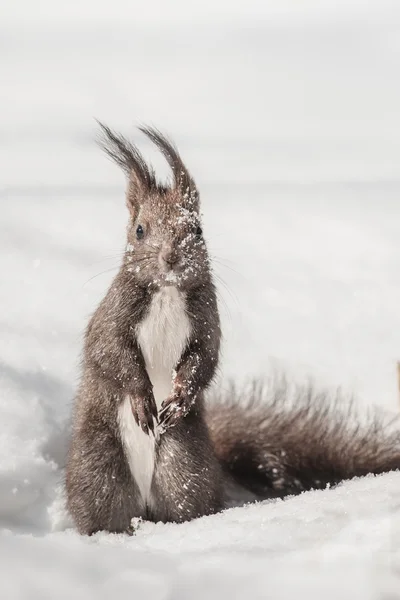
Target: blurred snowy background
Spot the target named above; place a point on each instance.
(288, 115)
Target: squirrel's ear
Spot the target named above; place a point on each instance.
(183, 181)
(141, 178)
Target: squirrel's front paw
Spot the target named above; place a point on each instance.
(144, 411)
(174, 408)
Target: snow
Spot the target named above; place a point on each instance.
(342, 543)
(287, 116)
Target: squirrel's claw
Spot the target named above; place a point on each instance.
(143, 412)
(173, 409)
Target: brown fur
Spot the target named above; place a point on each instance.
(238, 439)
(101, 491)
(276, 439)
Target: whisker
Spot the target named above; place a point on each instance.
(139, 260)
(223, 258)
(142, 253)
(225, 305)
(222, 284)
(151, 246)
(96, 262)
(221, 262)
(227, 288)
(98, 275)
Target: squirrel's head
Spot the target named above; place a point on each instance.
(165, 244)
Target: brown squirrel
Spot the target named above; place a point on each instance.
(145, 443)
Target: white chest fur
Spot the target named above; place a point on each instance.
(162, 337)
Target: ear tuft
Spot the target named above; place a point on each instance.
(127, 156)
(182, 178)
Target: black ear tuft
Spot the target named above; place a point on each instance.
(182, 178)
(127, 156)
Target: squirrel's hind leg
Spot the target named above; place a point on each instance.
(101, 492)
(188, 481)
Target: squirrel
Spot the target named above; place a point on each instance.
(145, 442)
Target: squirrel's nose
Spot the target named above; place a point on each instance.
(170, 256)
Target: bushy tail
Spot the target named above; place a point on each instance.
(275, 439)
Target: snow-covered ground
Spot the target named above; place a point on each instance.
(287, 114)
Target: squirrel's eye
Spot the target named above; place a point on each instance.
(199, 232)
(139, 232)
